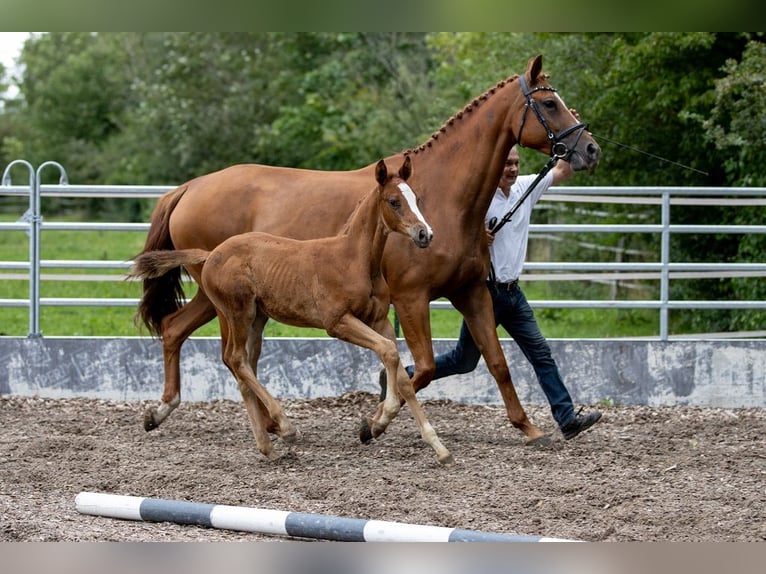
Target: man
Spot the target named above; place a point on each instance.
(508, 249)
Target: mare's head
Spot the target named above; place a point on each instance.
(545, 123)
(399, 204)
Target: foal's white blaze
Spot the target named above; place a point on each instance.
(412, 201)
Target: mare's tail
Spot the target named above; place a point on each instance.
(162, 294)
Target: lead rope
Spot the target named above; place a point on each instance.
(495, 226)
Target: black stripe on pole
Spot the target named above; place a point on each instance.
(182, 512)
(461, 535)
(320, 526)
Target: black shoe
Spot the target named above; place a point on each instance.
(579, 423)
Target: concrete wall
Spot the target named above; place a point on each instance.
(719, 373)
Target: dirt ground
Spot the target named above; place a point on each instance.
(641, 474)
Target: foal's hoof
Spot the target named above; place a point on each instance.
(291, 436)
(271, 455)
(365, 431)
(149, 421)
(541, 441)
(447, 460)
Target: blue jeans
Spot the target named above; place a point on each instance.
(514, 314)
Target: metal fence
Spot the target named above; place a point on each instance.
(663, 270)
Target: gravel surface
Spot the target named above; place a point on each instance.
(641, 474)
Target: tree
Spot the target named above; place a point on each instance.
(737, 126)
(74, 98)
(364, 97)
(737, 121)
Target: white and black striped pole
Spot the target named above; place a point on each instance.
(279, 522)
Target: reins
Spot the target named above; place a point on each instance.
(494, 224)
(646, 153)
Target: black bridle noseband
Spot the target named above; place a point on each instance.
(559, 149)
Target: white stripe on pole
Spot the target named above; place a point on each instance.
(112, 505)
(384, 531)
(249, 519)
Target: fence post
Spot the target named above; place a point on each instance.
(665, 271)
(36, 220)
(34, 270)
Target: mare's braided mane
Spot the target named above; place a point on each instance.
(469, 107)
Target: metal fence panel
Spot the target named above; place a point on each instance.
(663, 270)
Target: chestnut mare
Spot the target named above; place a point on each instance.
(455, 172)
(332, 283)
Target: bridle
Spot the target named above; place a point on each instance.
(559, 149)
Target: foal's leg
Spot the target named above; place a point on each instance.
(176, 328)
(351, 329)
(254, 346)
(253, 393)
(475, 303)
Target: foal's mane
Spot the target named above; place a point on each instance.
(469, 107)
(346, 226)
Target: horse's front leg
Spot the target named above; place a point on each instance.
(352, 330)
(391, 404)
(176, 328)
(415, 320)
(475, 304)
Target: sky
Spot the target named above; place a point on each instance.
(10, 47)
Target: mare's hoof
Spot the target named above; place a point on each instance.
(365, 432)
(149, 422)
(541, 441)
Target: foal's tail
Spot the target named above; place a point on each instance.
(159, 269)
(162, 294)
(153, 264)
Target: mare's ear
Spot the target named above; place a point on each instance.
(534, 67)
(381, 172)
(406, 170)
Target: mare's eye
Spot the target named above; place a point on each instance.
(394, 203)
(549, 104)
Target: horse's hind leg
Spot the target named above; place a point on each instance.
(176, 328)
(263, 410)
(254, 346)
(476, 307)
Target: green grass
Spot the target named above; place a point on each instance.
(118, 321)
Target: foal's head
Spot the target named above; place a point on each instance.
(399, 204)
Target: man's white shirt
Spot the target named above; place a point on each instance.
(509, 249)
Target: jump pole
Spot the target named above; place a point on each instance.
(280, 522)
